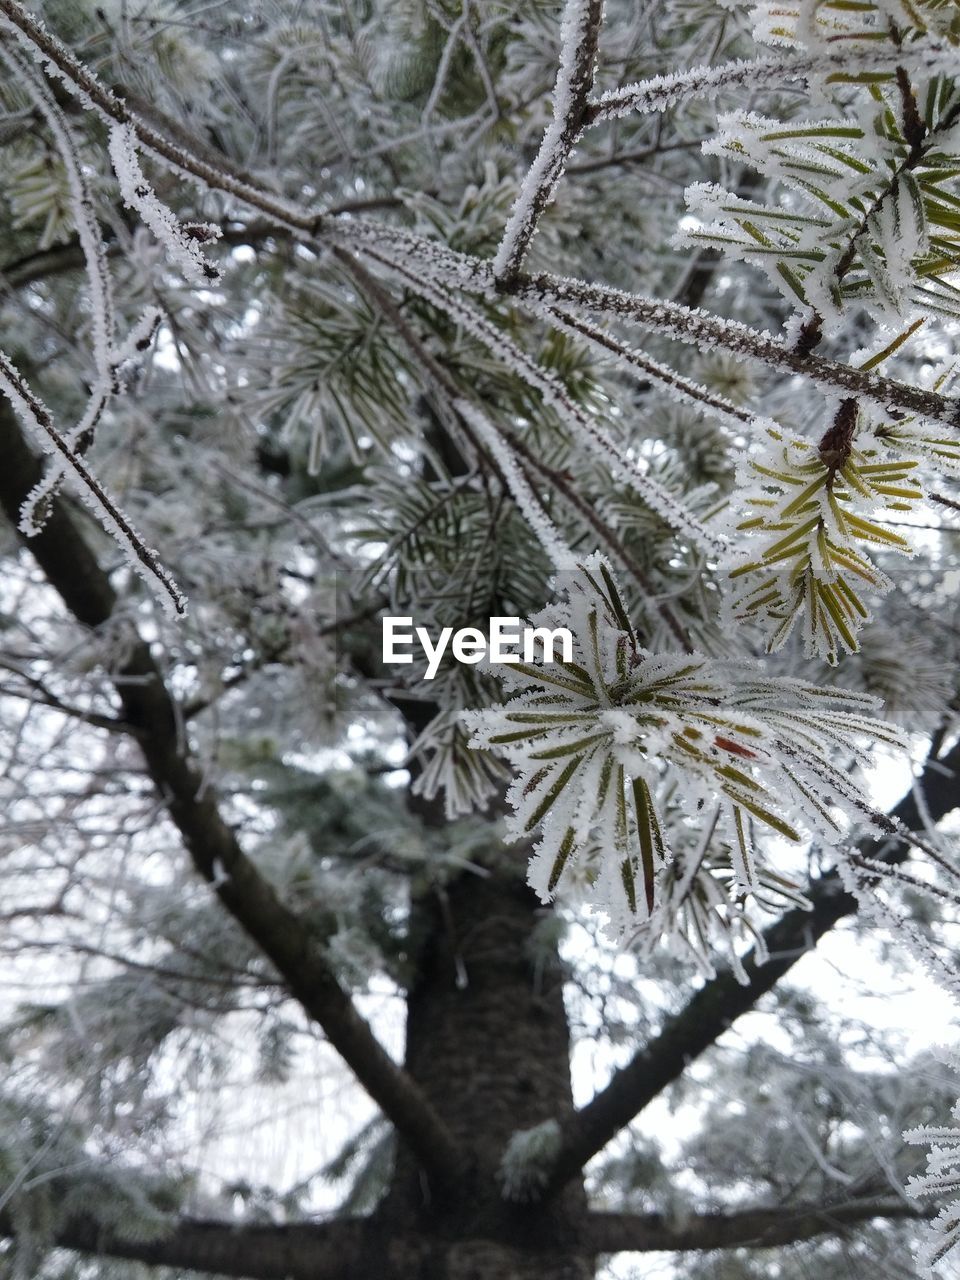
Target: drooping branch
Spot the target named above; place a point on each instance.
(31, 410)
(150, 713)
(763, 1228)
(722, 1000)
(579, 36)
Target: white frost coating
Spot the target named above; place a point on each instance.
(546, 531)
(139, 337)
(59, 63)
(660, 92)
(81, 203)
(693, 395)
(558, 140)
(528, 1160)
(686, 324)
(79, 437)
(162, 221)
(49, 67)
(588, 765)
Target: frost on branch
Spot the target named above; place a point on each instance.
(591, 741)
(941, 1179)
(578, 45)
(182, 243)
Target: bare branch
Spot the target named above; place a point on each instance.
(252, 1250)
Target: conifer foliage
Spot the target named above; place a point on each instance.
(638, 322)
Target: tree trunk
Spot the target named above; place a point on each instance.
(488, 1043)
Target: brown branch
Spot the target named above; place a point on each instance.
(286, 940)
(722, 1000)
(355, 1249)
(743, 1228)
(308, 1251)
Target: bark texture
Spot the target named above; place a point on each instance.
(488, 1045)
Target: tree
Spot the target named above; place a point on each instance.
(341, 300)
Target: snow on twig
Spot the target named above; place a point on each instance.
(181, 244)
(38, 420)
(529, 504)
(579, 34)
(697, 327)
(661, 92)
(108, 359)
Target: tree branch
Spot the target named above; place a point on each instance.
(579, 36)
(718, 1004)
(683, 324)
(468, 273)
(308, 1251)
(671, 90)
(345, 1249)
(744, 1228)
(711, 332)
(149, 709)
